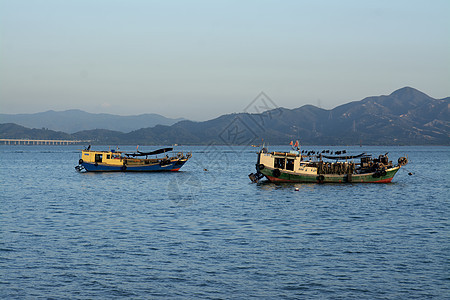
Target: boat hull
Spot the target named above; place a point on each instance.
(286, 176)
(100, 167)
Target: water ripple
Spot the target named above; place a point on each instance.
(83, 236)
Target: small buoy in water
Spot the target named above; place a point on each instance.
(297, 189)
(410, 173)
(205, 170)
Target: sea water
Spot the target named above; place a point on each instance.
(207, 232)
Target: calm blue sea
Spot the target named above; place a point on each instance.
(213, 235)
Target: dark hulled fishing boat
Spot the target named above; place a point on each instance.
(294, 166)
(110, 161)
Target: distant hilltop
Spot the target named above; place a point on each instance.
(405, 117)
(75, 120)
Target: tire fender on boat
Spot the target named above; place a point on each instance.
(320, 178)
(349, 177)
(276, 173)
(402, 161)
(80, 161)
(261, 166)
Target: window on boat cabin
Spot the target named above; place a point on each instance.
(108, 156)
(98, 157)
(279, 163)
(290, 164)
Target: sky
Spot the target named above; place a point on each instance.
(201, 59)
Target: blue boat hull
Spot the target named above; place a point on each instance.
(173, 166)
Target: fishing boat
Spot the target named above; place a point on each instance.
(118, 161)
(320, 167)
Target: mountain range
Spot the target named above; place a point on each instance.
(405, 117)
(75, 120)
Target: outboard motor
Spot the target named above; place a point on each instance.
(255, 177)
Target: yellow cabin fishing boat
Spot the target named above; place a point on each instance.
(118, 161)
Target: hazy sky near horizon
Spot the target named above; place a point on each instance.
(201, 59)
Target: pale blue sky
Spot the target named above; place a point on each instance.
(201, 59)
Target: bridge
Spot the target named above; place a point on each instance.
(39, 142)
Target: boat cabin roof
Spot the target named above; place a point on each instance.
(106, 152)
(291, 154)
